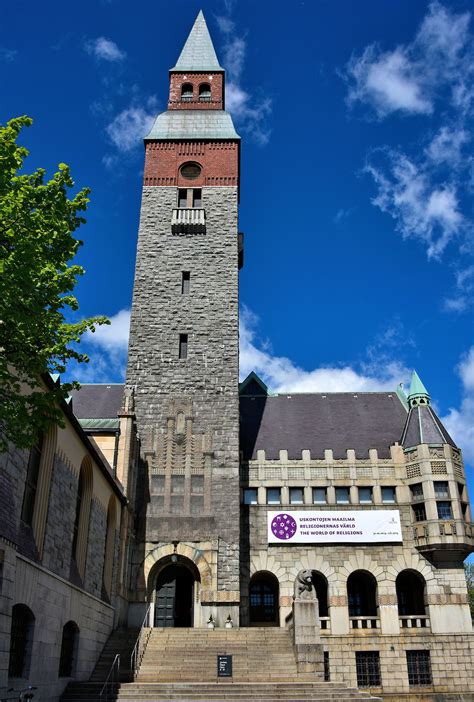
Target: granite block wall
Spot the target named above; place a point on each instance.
(206, 383)
(61, 514)
(96, 549)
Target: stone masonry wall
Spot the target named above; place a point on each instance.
(61, 514)
(451, 659)
(96, 549)
(208, 378)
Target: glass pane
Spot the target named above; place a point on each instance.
(365, 495)
(197, 198)
(273, 496)
(444, 510)
(441, 488)
(296, 496)
(250, 496)
(342, 495)
(182, 198)
(388, 495)
(197, 484)
(319, 496)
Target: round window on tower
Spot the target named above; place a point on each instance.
(190, 171)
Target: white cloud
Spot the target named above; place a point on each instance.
(388, 82)
(463, 295)
(107, 350)
(105, 49)
(282, 375)
(130, 126)
(410, 77)
(460, 422)
(113, 336)
(420, 207)
(446, 146)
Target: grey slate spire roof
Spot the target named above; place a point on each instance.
(424, 427)
(198, 53)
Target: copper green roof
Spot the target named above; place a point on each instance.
(198, 53)
(417, 390)
(193, 124)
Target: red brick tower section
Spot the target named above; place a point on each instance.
(199, 96)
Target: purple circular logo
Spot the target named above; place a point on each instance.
(283, 526)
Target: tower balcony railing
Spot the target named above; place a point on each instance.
(188, 220)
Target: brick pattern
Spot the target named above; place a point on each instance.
(219, 162)
(215, 80)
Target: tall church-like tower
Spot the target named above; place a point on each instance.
(183, 353)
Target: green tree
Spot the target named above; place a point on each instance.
(469, 572)
(37, 221)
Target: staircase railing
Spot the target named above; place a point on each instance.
(108, 691)
(140, 645)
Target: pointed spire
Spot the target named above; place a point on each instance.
(418, 394)
(198, 53)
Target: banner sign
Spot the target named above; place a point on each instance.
(318, 526)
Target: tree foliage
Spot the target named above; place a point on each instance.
(37, 221)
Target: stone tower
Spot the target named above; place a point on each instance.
(183, 353)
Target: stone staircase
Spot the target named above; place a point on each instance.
(181, 664)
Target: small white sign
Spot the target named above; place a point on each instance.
(327, 526)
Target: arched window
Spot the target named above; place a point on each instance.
(31, 483)
(81, 521)
(69, 645)
(109, 546)
(205, 92)
(21, 641)
(264, 599)
(410, 593)
(34, 508)
(186, 92)
(362, 594)
(320, 584)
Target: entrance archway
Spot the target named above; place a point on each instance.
(264, 596)
(174, 596)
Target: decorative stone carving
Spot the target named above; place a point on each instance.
(304, 589)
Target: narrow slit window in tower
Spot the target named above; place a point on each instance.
(185, 282)
(183, 345)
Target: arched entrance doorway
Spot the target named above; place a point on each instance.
(264, 596)
(174, 596)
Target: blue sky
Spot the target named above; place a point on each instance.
(357, 175)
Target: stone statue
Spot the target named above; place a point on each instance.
(304, 586)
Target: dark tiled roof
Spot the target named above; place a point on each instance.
(424, 427)
(337, 421)
(97, 401)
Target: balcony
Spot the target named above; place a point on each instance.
(188, 220)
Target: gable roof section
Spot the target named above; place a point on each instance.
(101, 401)
(253, 385)
(337, 421)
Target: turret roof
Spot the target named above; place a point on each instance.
(417, 389)
(198, 53)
